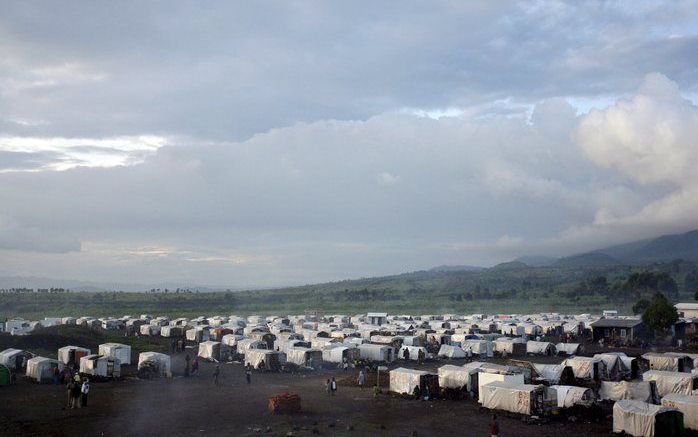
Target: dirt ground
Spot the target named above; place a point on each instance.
(188, 406)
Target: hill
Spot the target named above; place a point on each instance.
(662, 249)
(587, 260)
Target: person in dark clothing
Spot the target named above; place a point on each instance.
(187, 365)
(216, 372)
(406, 354)
(248, 374)
(494, 426)
(69, 387)
(195, 366)
(76, 392)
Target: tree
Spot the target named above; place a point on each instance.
(640, 306)
(660, 315)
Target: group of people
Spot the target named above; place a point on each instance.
(421, 356)
(191, 366)
(331, 386)
(77, 392)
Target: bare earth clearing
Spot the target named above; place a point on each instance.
(188, 406)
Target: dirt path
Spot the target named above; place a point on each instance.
(187, 406)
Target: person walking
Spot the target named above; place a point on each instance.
(333, 386)
(69, 387)
(345, 364)
(406, 354)
(494, 426)
(248, 374)
(216, 372)
(56, 376)
(195, 366)
(187, 365)
(77, 391)
(361, 380)
(83, 393)
(469, 354)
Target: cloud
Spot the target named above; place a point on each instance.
(15, 236)
(291, 143)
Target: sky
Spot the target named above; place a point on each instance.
(270, 143)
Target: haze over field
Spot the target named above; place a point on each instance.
(276, 144)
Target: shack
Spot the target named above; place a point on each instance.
(70, 355)
(42, 369)
(100, 366)
(620, 331)
(119, 351)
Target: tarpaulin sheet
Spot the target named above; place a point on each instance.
(636, 418)
(635, 390)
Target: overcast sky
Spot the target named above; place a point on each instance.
(273, 143)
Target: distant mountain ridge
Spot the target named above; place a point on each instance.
(664, 248)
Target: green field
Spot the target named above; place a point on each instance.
(504, 289)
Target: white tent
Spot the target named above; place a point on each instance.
(150, 329)
(198, 333)
(41, 368)
(158, 363)
(68, 354)
(568, 348)
(404, 381)
(540, 348)
(638, 418)
(479, 347)
(672, 382)
(485, 377)
(231, 340)
(448, 351)
(377, 352)
(550, 373)
(688, 405)
(246, 344)
(116, 350)
(585, 367)
(510, 346)
(457, 377)
(268, 359)
(301, 356)
(568, 395)
(645, 391)
(337, 353)
(413, 352)
(670, 362)
(615, 367)
(15, 359)
(213, 350)
(507, 396)
(100, 365)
